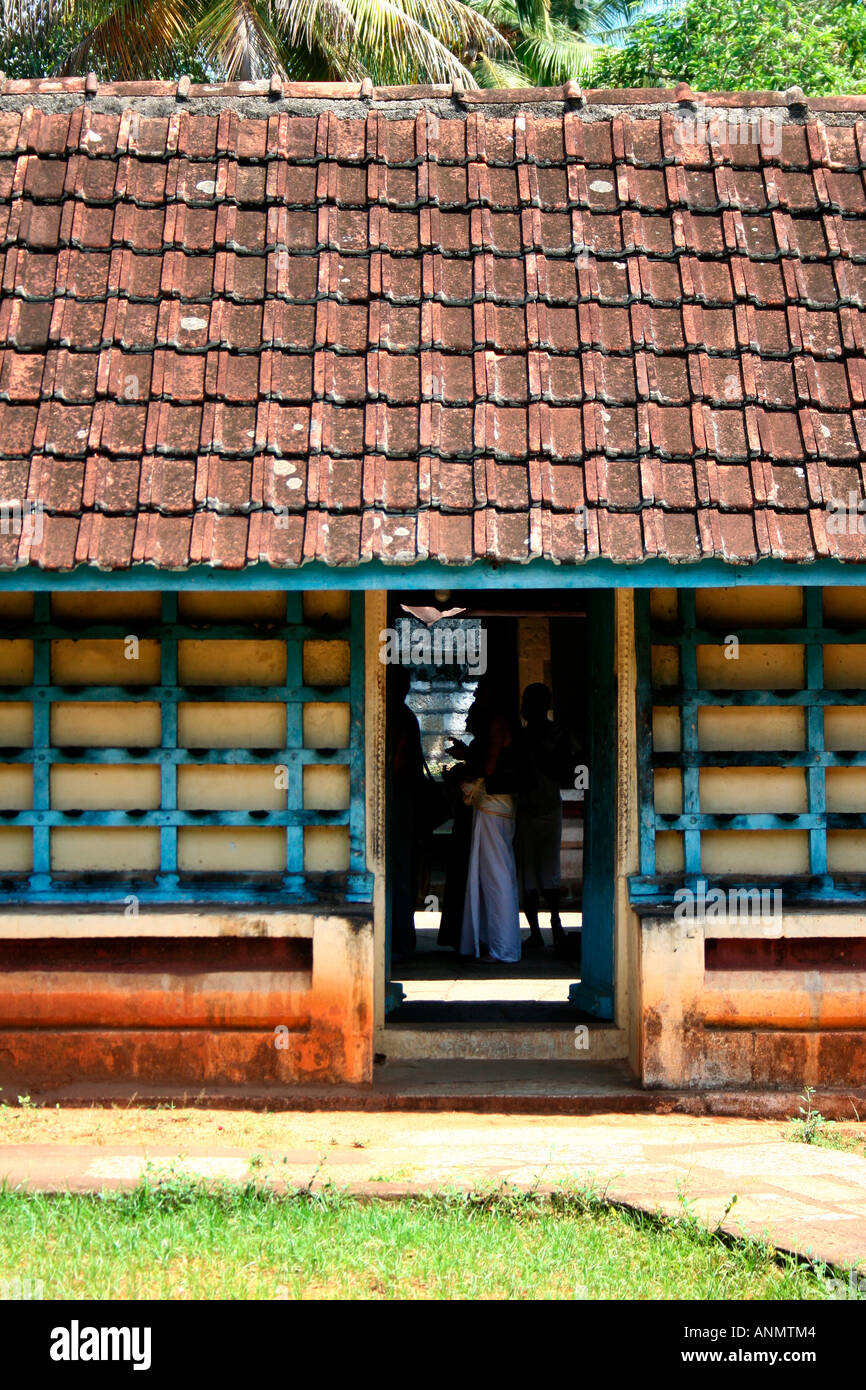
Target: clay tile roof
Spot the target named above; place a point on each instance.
(278, 323)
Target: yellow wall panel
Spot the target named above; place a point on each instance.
(229, 724)
(106, 724)
(326, 848)
(16, 661)
(16, 724)
(104, 661)
(668, 791)
(15, 608)
(771, 605)
(326, 788)
(106, 849)
(327, 606)
(741, 729)
(666, 729)
(231, 662)
(758, 790)
(231, 849)
(846, 789)
(665, 667)
(107, 608)
(267, 606)
(16, 787)
(845, 606)
(104, 787)
(845, 729)
(846, 851)
(16, 849)
(326, 725)
(845, 666)
(764, 667)
(773, 852)
(326, 663)
(218, 788)
(670, 855)
(663, 605)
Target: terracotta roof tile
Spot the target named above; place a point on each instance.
(269, 331)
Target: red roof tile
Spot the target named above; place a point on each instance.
(239, 326)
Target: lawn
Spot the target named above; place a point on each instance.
(181, 1239)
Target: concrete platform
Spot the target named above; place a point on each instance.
(479, 1086)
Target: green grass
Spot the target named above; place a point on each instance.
(811, 1127)
(181, 1239)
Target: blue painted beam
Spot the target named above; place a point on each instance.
(425, 574)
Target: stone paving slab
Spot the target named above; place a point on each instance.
(803, 1198)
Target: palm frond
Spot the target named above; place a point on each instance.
(131, 38)
(488, 72)
(555, 55)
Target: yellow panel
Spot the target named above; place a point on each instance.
(326, 788)
(78, 787)
(241, 724)
(104, 661)
(326, 663)
(107, 608)
(16, 787)
(16, 662)
(670, 856)
(668, 785)
(231, 849)
(105, 849)
(736, 728)
(326, 848)
(770, 605)
(225, 788)
(16, 724)
(844, 606)
(98, 724)
(665, 666)
(326, 726)
(846, 789)
(231, 662)
(775, 852)
(245, 606)
(846, 851)
(663, 605)
(845, 667)
(845, 729)
(16, 849)
(327, 606)
(744, 790)
(16, 608)
(666, 729)
(776, 667)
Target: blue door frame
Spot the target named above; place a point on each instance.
(594, 994)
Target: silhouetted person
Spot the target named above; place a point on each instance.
(544, 756)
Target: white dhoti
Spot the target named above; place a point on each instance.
(491, 912)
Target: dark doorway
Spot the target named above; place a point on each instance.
(563, 639)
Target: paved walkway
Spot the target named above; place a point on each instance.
(801, 1197)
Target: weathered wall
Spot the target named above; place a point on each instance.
(799, 1024)
(180, 997)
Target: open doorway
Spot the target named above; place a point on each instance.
(444, 642)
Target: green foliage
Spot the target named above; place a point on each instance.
(744, 45)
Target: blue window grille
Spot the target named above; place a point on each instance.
(651, 890)
(169, 883)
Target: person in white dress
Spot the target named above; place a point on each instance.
(491, 910)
